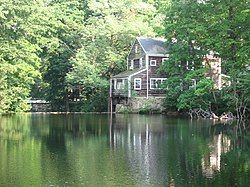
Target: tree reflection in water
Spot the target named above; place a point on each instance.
(174, 152)
(128, 150)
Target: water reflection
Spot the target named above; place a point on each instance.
(123, 150)
(212, 162)
(174, 152)
(138, 137)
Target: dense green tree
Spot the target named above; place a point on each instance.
(19, 60)
(110, 28)
(65, 28)
(50, 47)
(200, 27)
(45, 41)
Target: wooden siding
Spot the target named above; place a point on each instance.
(143, 91)
(136, 56)
(153, 70)
(153, 73)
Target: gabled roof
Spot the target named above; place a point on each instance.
(153, 45)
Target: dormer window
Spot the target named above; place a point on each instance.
(152, 62)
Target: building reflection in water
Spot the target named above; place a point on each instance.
(211, 163)
(139, 136)
(132, 150)
(164, 151)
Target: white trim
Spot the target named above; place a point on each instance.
(140, 62)
(137, 79)
(131, 48)
(121, 84)
(141, 45)
(147, 73)
(115, 83)
(160, 97)
(164, 59)
(161, 79)
(110, 87)
(129, 81)
(136, 48)
(137, 72)
(129, 86)
(131, 64)
(158, 55)
(151, 62)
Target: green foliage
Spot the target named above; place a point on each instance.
(200, 27)
(67, 26)
(149, 110)
(49, 46)
(149, 107)
(19, 53)
(110, 28)
(196, 98)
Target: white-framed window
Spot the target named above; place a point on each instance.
(193, 84)
(152, 62)
(155, 83)
(136, 48)
(137, 83)
(165, 58)
(120, 83)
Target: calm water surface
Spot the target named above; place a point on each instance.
(127, 150)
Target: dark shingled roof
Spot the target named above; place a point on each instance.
(153, 45)
(127, 73)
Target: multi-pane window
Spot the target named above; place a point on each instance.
(155, 83)
(120, 84)
(137, 83)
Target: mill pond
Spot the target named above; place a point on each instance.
(122, 150)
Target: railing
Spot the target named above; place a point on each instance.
(120, 92)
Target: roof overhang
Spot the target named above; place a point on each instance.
(128, 74)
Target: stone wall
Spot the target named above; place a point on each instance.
(141, 105)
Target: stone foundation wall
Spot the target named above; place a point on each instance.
(141, 105)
